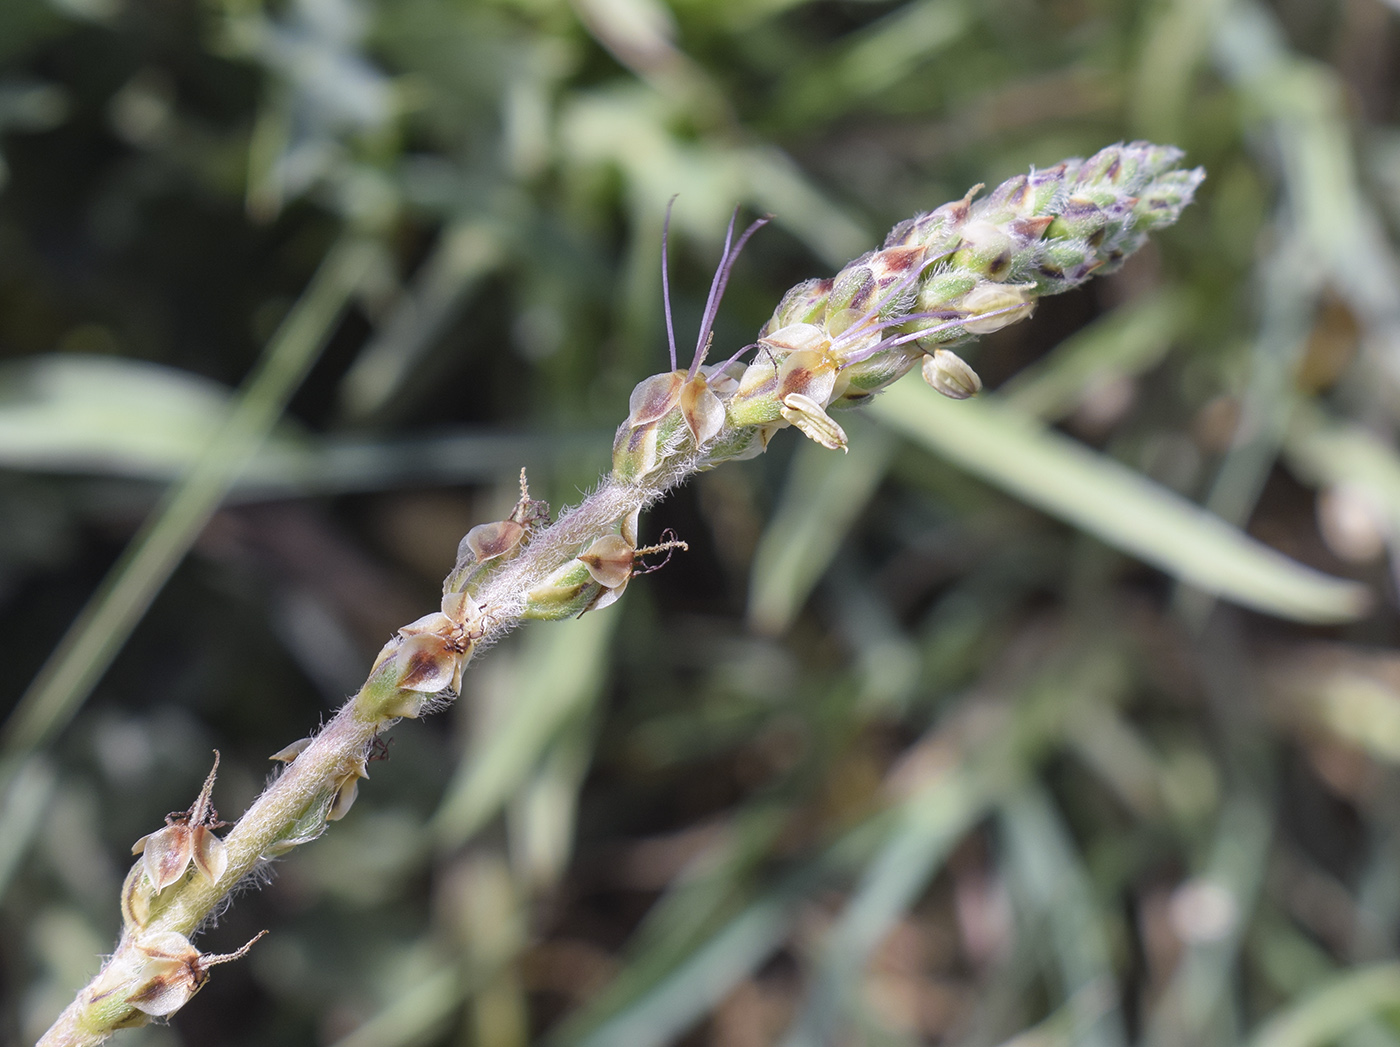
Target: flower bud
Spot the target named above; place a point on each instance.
(796, 338)
(810, 374)
(427, 662)
(383, 697)
(1161, 203)
(940, 289)
(854, 289)
(985, 249)
(654, 397)
(875, 373)
(288, 753)
(137, 894)
(1080, 218)
(702, 410)
(635, 453)
(1063, 264)
(936, 231)
(990, 307)
(347, 787)
(1106, 168)
(804, 304)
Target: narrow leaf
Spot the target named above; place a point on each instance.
(1119, 506)
(1342, 1004)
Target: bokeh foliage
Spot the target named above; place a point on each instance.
(895, 754)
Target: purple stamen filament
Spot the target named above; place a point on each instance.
(666, 282)
(909, 336)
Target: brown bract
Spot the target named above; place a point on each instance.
(656, 397)
(490, 540)
(436, 648)
(489, 545)
(609, 560)
(187, 837)
(174, 970)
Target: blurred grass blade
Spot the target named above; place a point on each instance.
(563, 673)
(339, 465)
(697, 985)
(702, 895)
(93, 640)
(1125, 342)
(882, 54)
(1119, 506)
(1288, 313)
(875, 58)
(640, 34)
(418, 1016)
(1333, 1009)
(466, 253)
(1111, 746)
(1052, 882)
(425, 986)
(543, 812)
(825, 493)
(109, 416)
(930, 824)
(626, 129)
(1061, 1027)
(1323, 451)
(935, 814)
(106, 415)
(655, 997)
(22, 815)
(777, 185)
(1198, 1004)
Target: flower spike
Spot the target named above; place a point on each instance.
(963, 270)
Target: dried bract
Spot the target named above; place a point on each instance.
(174, 970)
(187, 837)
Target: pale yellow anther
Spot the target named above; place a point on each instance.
(812, 419)
(950, 375)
